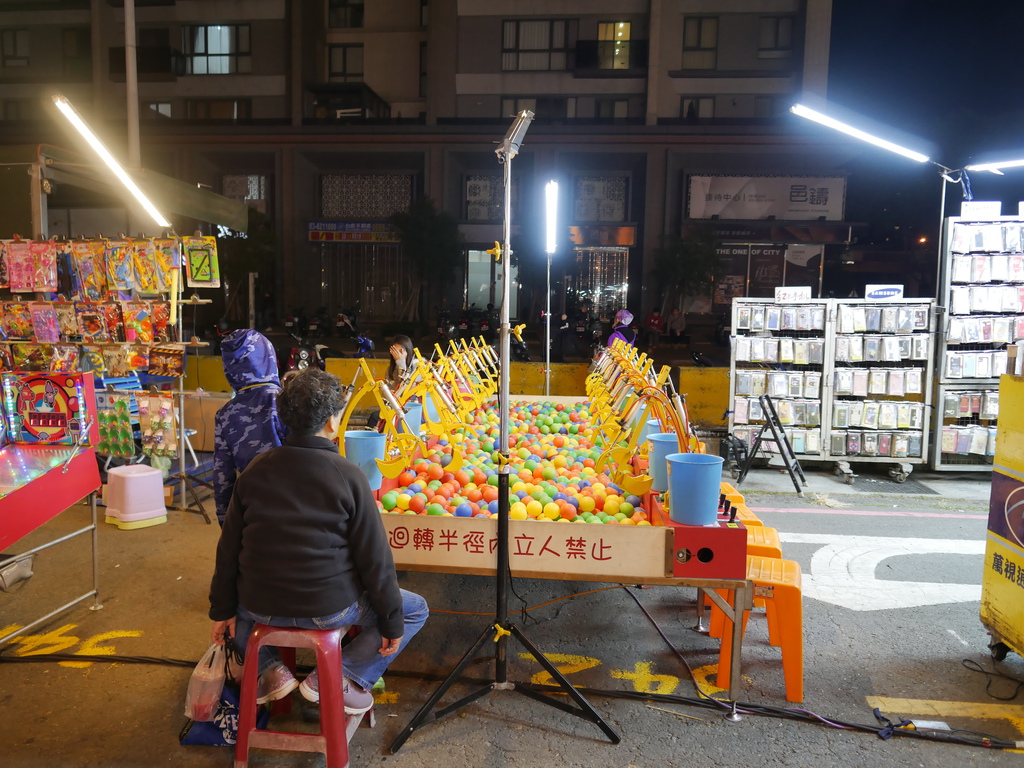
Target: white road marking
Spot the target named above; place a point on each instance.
(843, 571)
(962, 641)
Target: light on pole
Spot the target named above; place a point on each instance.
(550, 241)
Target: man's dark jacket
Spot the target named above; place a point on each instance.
(303, 538)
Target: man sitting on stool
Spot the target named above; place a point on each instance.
(303, 546)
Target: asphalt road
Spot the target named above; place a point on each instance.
(897, 637)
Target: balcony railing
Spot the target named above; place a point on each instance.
(151, 63)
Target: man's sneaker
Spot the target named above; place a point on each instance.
(276, 683)
(357, 701)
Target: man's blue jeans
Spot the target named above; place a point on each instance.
(361, 660)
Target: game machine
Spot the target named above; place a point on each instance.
(47, 464)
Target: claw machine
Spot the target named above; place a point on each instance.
(1002, 588)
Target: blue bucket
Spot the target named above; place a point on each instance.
(650, 427)
(660, 445)
(694, 483)
(414, 418)
(430, 409)
(363, 447)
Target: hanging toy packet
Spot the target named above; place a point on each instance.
(168, 258)
(44, 266)
(21, 265)
(147, 276)
(200, 256)
(44, 322)
(88, 256)
(120, 267)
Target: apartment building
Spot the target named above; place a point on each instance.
(330, 115)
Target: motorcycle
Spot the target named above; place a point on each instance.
(319, 325)
(347, 323)
(364, 346)
(445, 328)
(295, 322)
(303, 354)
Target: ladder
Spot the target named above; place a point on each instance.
(778, 436)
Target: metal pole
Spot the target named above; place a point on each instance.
(500, 656)
(252, 299)
(547, 336)
(131, 85)
(939, 265)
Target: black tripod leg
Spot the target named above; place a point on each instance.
(585, 710)
(423, 716)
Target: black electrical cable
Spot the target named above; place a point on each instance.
(992, 676)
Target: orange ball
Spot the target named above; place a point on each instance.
(417, 503)
(406, 478)
(461, 478)
(434, 471)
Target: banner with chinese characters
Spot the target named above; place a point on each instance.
(468, 545)
(784, 198)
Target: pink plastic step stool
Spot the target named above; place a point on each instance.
(135, 497)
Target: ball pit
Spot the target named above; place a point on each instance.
(553, 478)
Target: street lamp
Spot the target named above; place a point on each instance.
(948, 175)
(80, 125)
(550, 241)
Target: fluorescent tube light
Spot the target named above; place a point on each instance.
(76, 120)
(551, 204)
(818, 117)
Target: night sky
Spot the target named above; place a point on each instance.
(948, 72)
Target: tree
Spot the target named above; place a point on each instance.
(241, 253)
(685, 266)
(432, 245)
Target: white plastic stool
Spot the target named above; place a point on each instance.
(135, 497)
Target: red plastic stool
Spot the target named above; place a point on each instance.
(332, 741)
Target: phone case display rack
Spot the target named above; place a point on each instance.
(982, 295)
(851, 379)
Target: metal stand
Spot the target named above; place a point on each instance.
(771, 422)
(501, 627)
(185, 480)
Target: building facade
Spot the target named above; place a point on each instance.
(330, 115)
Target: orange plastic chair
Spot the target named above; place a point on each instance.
(776, 583)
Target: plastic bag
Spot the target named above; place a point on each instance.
(206, 684)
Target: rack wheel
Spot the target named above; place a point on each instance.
(734, 472)
(999, 650)
(899, 477)
(848, 478)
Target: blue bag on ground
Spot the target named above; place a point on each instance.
(222, 731)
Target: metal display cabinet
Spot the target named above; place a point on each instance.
(853, 383)
(880, 385)
(782, 350)
(982, 294)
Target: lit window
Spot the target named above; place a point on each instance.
(218, 49)
(157, 110)
(700, 42)
(613, 45)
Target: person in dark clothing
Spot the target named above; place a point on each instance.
(303, 546)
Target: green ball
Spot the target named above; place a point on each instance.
(435, 509)
(389, 500)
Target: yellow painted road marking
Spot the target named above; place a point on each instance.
(565, 663)
(1014, 713)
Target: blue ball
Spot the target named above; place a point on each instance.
(446, 459)
(522, 494)
(563, 431)
(442, 441)
(463, 510)
(636, 501)
(415, 488)
(574, 501)
(558, 496)
(492, 507)
(478, 514)
(584, 483)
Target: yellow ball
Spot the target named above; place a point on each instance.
(518, 514)
(587, 504)
(552, 511)
(534, 508)
(611, 506)
(403, 501)
(597, 487)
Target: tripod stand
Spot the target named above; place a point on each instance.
(501, 628)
